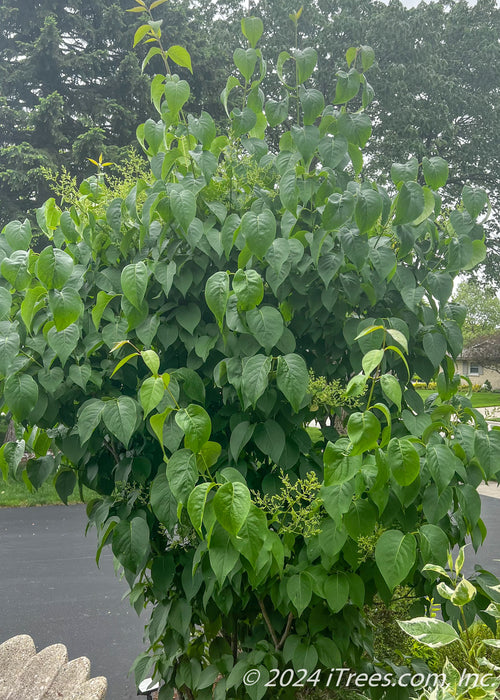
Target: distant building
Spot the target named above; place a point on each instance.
(480, 360)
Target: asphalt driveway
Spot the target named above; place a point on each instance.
(51, 589)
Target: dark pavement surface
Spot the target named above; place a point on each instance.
(51, 589)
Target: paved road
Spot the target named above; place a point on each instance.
(51, 589)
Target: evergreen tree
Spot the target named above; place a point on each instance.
(70, 87)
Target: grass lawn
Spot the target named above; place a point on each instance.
(481, 399)
(13, 493)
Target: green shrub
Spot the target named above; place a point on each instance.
(162, 342)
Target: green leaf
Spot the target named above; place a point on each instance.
(430, 631)
(130, 543)
(259, 231)
(252, 28)
(177, 94)
(134, 282)
(179, 55)
(188, 317)
(363, 430)
(299, 590)
(337, 497)
(435, 172)
(153, 51)
(306, 140)
(195, 423)
(123, 361)
(252, 535)
(357, 128)
(368, 209)
(434, 544)
(9, 349)
(292, 379)
(371, 360)
(163, 502)
(435, 346)
(404, 461)
(306, 61)
(245, 60)
(80, 375)
(243, 121)
(54, 267)
(255, 378)
(347, 86)
(240, 436)
(203, 128)
(332, 150)
(182, 474)
(102, 300)
(276, 112)
(360, 519)
(183, 204)
(20, 394)
(63, 342)
(336, 591)
(313, 103)
(151, 393)
(162, 574)
(223, 555)
(340, 466)
(65, 483)
(39, 470)
(114, 214)
(231, 505)
(217, 295)
(266, 325)
(410, 203)
(140, 33)
(66, 307)
(270, 439)
(120, 416)
(395, 555)
(165, 273)
(367, 57)
(404, 172)
(152, 362)
(249, 289)
(89, 417)
(18, 235)
(442, 464)
(475, 199)
(440, 284)
(339, 209)
(6, 304)
(196, 504)
(289, 191)
(391, 388)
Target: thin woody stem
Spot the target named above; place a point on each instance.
(268, 623)
(286, 632)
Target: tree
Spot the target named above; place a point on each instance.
(72, 87)
(64, 98)
(157, 350)
(483, 309)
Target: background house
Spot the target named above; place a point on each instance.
(480, 360)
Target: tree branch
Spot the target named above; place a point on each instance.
(286, 632)
(268, 623)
